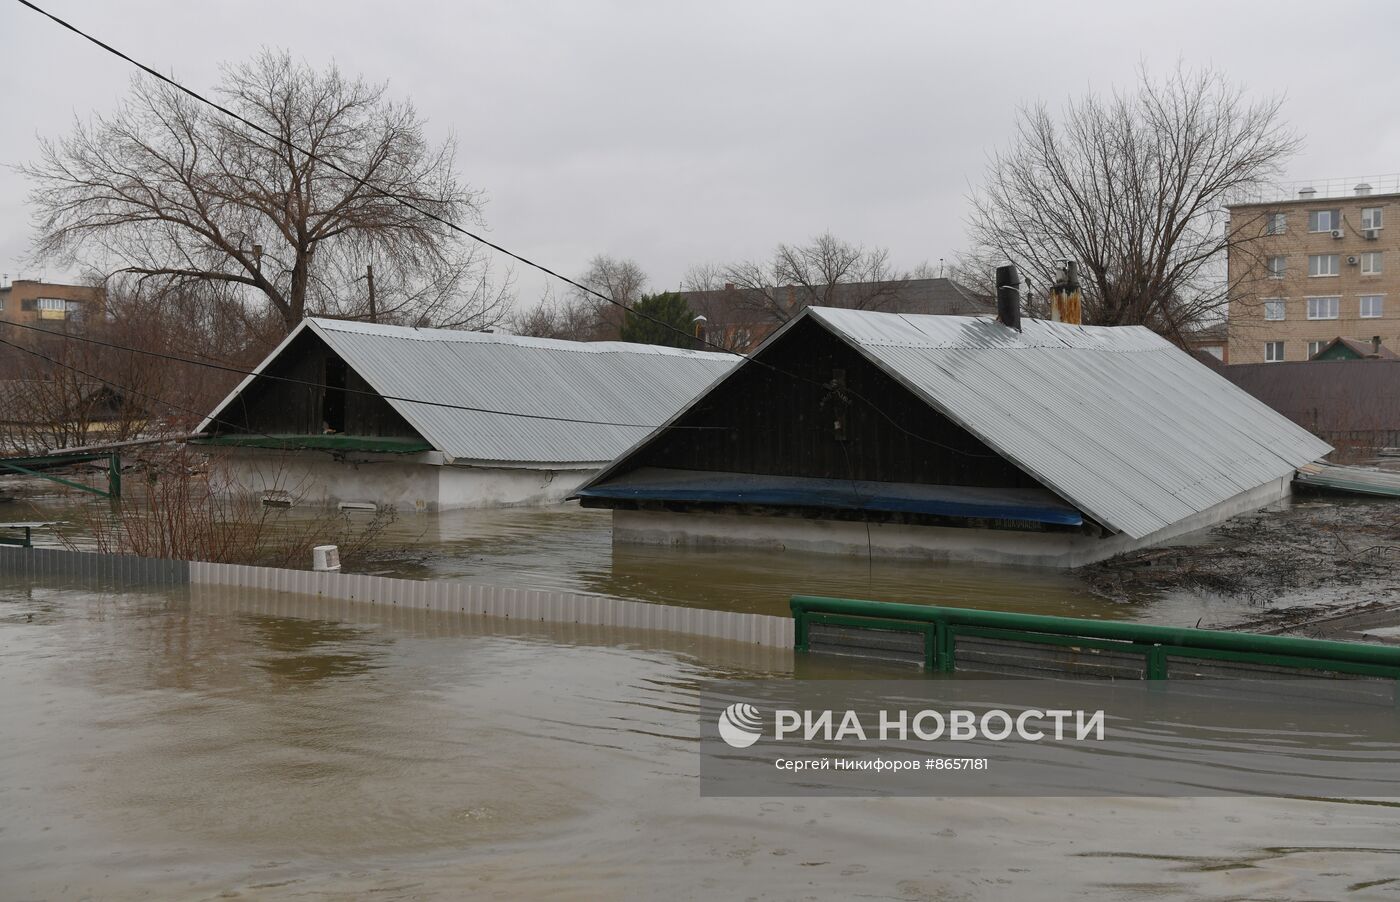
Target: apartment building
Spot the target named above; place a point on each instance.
(31, 302)
(1312, 267)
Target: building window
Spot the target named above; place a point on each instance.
(1370, 217)
(1314, 347)
(1372, 306)
(1276, 224)
(1273, 351)
(1278, 267)
(1274, 309)
(52, 308)
(1324, 308)
(1324, 264)
(1371, 263)
(1324, 220)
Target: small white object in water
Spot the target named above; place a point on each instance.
(325, 558)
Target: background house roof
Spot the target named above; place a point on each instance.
(634, 386)
(1117, 421)
(931, 296)
(1356, 347)
(1327, 396)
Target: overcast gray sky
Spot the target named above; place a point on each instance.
(681, 133)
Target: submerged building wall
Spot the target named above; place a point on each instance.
(408, 482)
(932, 543)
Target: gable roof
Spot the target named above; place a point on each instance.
(1358, 348)
(1116, 420)
(624, 389)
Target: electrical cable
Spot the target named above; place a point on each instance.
(288, 143)
(137, 392)
(347, 390)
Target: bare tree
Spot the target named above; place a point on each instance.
(729, 322)
(825, 272)
(1134, 187)
(120, 373)
(169, 190)
(571, 320)
(622, 280)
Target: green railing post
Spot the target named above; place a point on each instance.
(1156, 663)
(946, 662)
(799, 627)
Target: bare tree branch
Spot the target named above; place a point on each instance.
(1135, 187)
(165, 188)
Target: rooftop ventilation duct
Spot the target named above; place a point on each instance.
(1362, 189)
(1307, 192)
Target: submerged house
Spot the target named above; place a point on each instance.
(424, 419)
(953, 437)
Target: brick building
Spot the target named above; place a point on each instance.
(38, 303)
(1311, 267)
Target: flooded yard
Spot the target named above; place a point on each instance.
(231, 745)
(568, 548)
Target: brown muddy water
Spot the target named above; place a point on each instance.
(568, 548)
(223, 745)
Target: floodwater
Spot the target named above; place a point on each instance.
(221, 745)
(568, 548)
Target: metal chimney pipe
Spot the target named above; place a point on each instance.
(1066, 302)
(1009, 296)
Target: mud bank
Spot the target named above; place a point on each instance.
(1323, 565)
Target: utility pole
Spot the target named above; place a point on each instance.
(369, 277)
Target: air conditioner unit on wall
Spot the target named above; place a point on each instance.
(1371, 234)
(1353, 260)
(1338, 233)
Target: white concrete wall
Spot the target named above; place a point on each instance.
(505, 487)
(936, 543)
(409, 482)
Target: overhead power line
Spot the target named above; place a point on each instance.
(317, 385)
(363, 183)
(407, 202)
(140, 394)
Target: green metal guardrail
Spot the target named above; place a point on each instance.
(35, 466)
(1161, 651)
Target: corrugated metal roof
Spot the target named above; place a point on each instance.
(1118, 421)
(633, 386)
